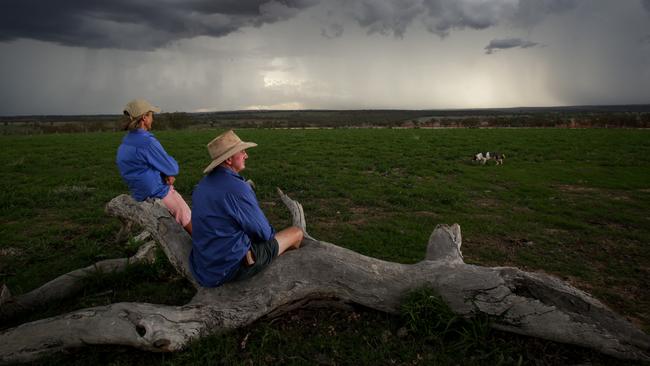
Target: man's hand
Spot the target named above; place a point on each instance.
(170, 180)
(249, 259)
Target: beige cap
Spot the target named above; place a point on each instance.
(224, 146)
(138, 107)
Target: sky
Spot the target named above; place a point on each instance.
(92, 57)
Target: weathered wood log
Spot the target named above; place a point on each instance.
(154, 217)
(68, 284)
(521, 302)
(124, 233)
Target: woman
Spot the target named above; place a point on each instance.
(146, 167)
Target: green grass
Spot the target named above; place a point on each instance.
(574, 203)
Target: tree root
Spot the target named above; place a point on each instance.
(67, 285)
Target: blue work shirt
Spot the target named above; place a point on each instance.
(143, 164)
(226, 218)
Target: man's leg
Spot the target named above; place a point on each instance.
(289, 238)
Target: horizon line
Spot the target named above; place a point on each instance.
(585, 106)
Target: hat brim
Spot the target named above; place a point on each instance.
(131, 119)
(230, 152)
(151, 109)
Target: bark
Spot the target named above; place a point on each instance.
(68, 284)
(155, 218)
(526, 303)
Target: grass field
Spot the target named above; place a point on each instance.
(574, 203)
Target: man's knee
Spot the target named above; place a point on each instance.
(298, 235)
(293, 235)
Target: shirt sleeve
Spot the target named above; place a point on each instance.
(158, 158)
(247, 212)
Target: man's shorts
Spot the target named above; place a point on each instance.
(177, 207)
(263, 253)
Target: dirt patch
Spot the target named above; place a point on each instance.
(556, 231)
(73, 189)
(360, 215)
(615, 195)
(487, 218)
(576, 189)
(487, 202)
(360, 210)
(619, 197)
(11, 252)
(330, 202)
(354, 215)
(522, 209)
(478, 244)
(426, 214)
(392, 172)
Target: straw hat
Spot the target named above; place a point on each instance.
(224, 146)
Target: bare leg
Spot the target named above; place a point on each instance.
(178, 208)
(289, 238)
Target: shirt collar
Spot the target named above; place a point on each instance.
(224, 170)
(141, 131)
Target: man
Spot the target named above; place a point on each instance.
(232, 238)
(146, 167)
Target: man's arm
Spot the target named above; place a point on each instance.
(248, 214)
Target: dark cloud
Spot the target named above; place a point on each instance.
(386, 17)
(442, 16)
(136, 24)
(141, 24)
(646, 4)
(445, 15)
(531, 12)
(502, 44)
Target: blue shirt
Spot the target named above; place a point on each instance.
(143, 164)
(226, 218)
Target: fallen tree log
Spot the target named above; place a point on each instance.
(67, 284)
(525, 303)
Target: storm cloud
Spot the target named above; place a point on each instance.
(136, 24)
(646, 5)
(501, 44)
(146, 25)
(74, 56)
(441, 17)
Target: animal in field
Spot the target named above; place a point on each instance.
(483, 158)
(480, 158)
(498, 158)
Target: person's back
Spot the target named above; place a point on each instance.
(232, 220)
(145, 166)
(140, 164)
(232, 239)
